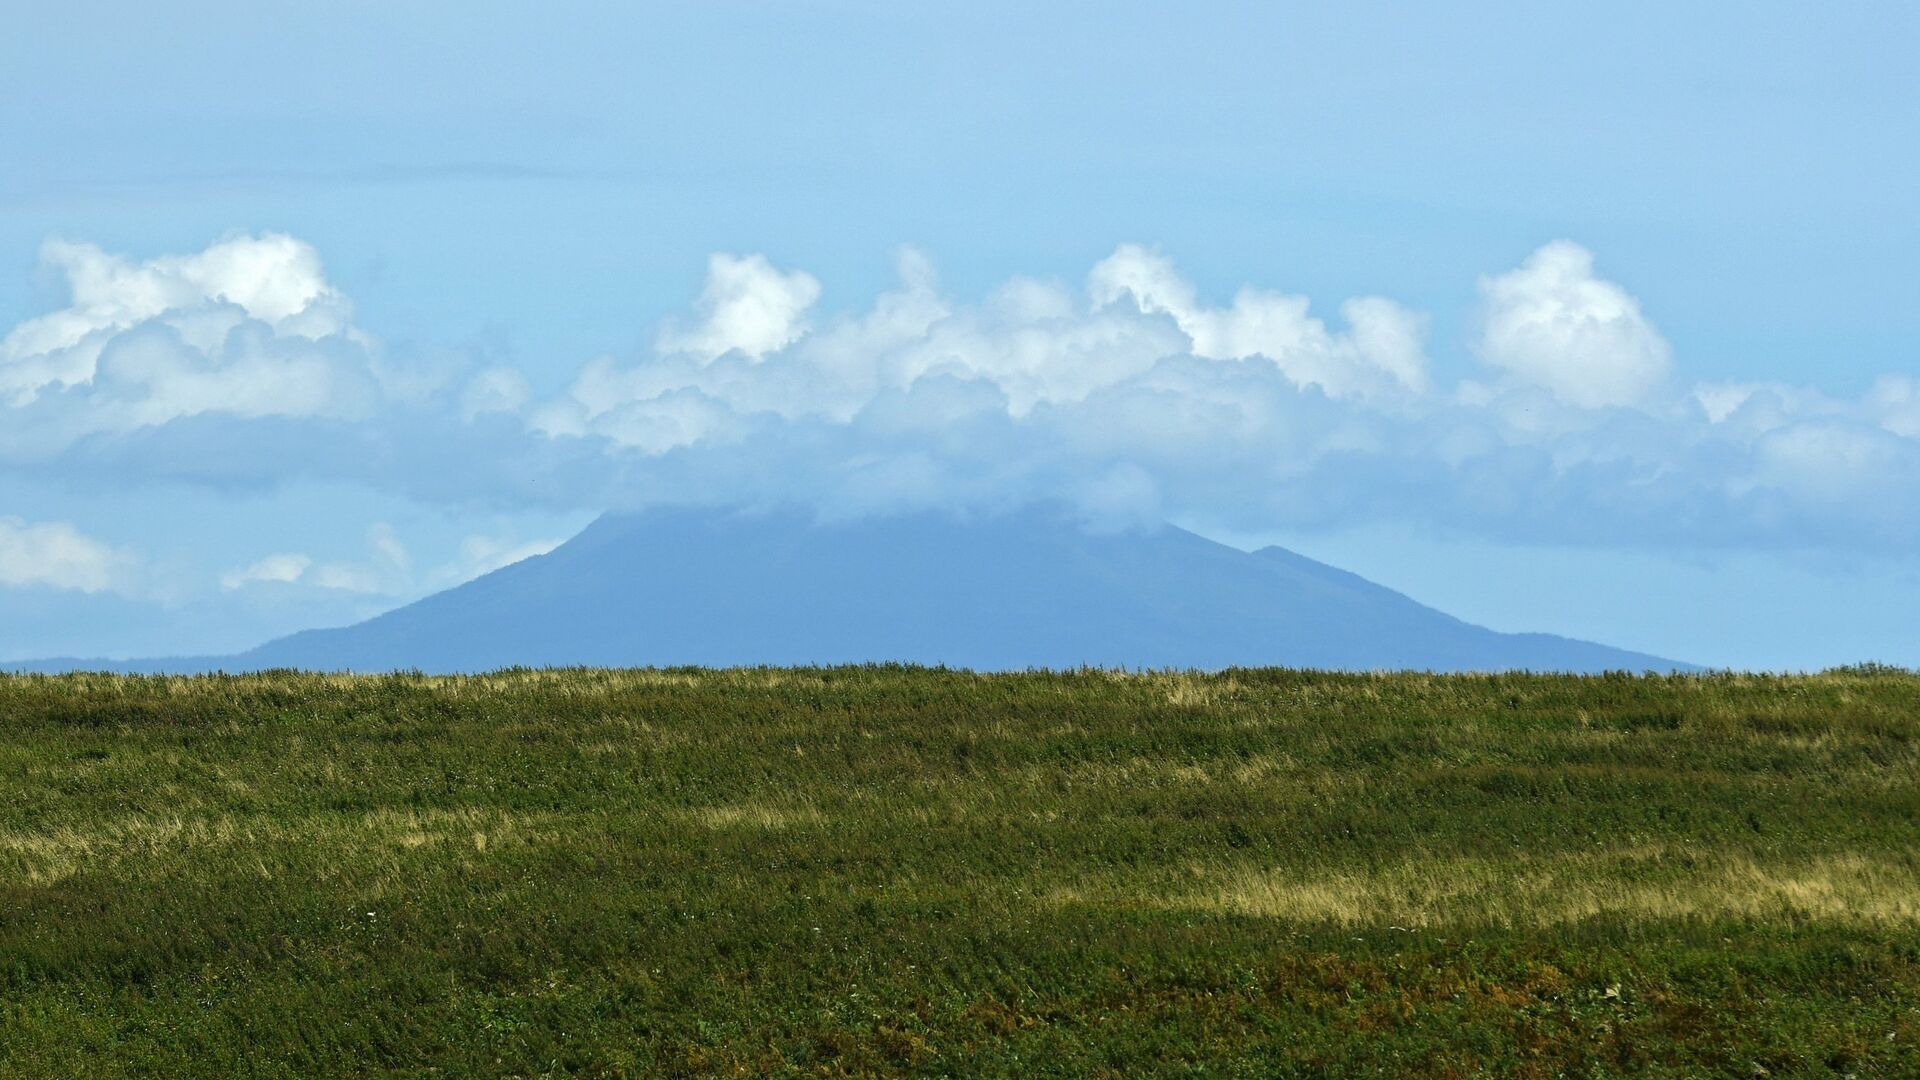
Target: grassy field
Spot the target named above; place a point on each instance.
(899, 871)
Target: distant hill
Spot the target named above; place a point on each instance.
(1017, 590)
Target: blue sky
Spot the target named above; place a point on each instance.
(1636, 359)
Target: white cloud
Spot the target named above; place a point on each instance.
(388, 569)
(1034, 343)
(1551, 323)
(1383, 350)
(748, 307)
(1129, 395)
(283, 568)
(345, 577)
(1136, 398)
(56, 555)
(294, 568)
(248, 327)
(273, 278)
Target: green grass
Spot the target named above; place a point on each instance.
(901, 871)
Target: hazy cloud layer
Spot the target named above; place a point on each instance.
(1128, 394)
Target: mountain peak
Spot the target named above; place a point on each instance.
(991, 591)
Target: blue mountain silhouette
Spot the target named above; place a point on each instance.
(1006, 591)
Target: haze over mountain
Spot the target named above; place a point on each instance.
(1016, 590)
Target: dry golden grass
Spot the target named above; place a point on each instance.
(1634, 884)
(756, 815)
(42, 858)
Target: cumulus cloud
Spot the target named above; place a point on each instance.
(283, 568)
(1552, 323)
(241, 366)
(387, 570)
(1130, 395)
(1135, 397)
(1383, 349)
(748, 307)
(58, 556)
(274, 279)
(248, 327)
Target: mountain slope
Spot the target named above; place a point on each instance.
(1018, 590)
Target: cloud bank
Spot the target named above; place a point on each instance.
(1127, 394)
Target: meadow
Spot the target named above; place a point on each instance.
(903, 871)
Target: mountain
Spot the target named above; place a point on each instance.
(1025, 589)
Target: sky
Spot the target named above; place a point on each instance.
(1596, 319)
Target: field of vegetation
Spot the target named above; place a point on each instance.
(886, 870)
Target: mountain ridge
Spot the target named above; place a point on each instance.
(1022, 589)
